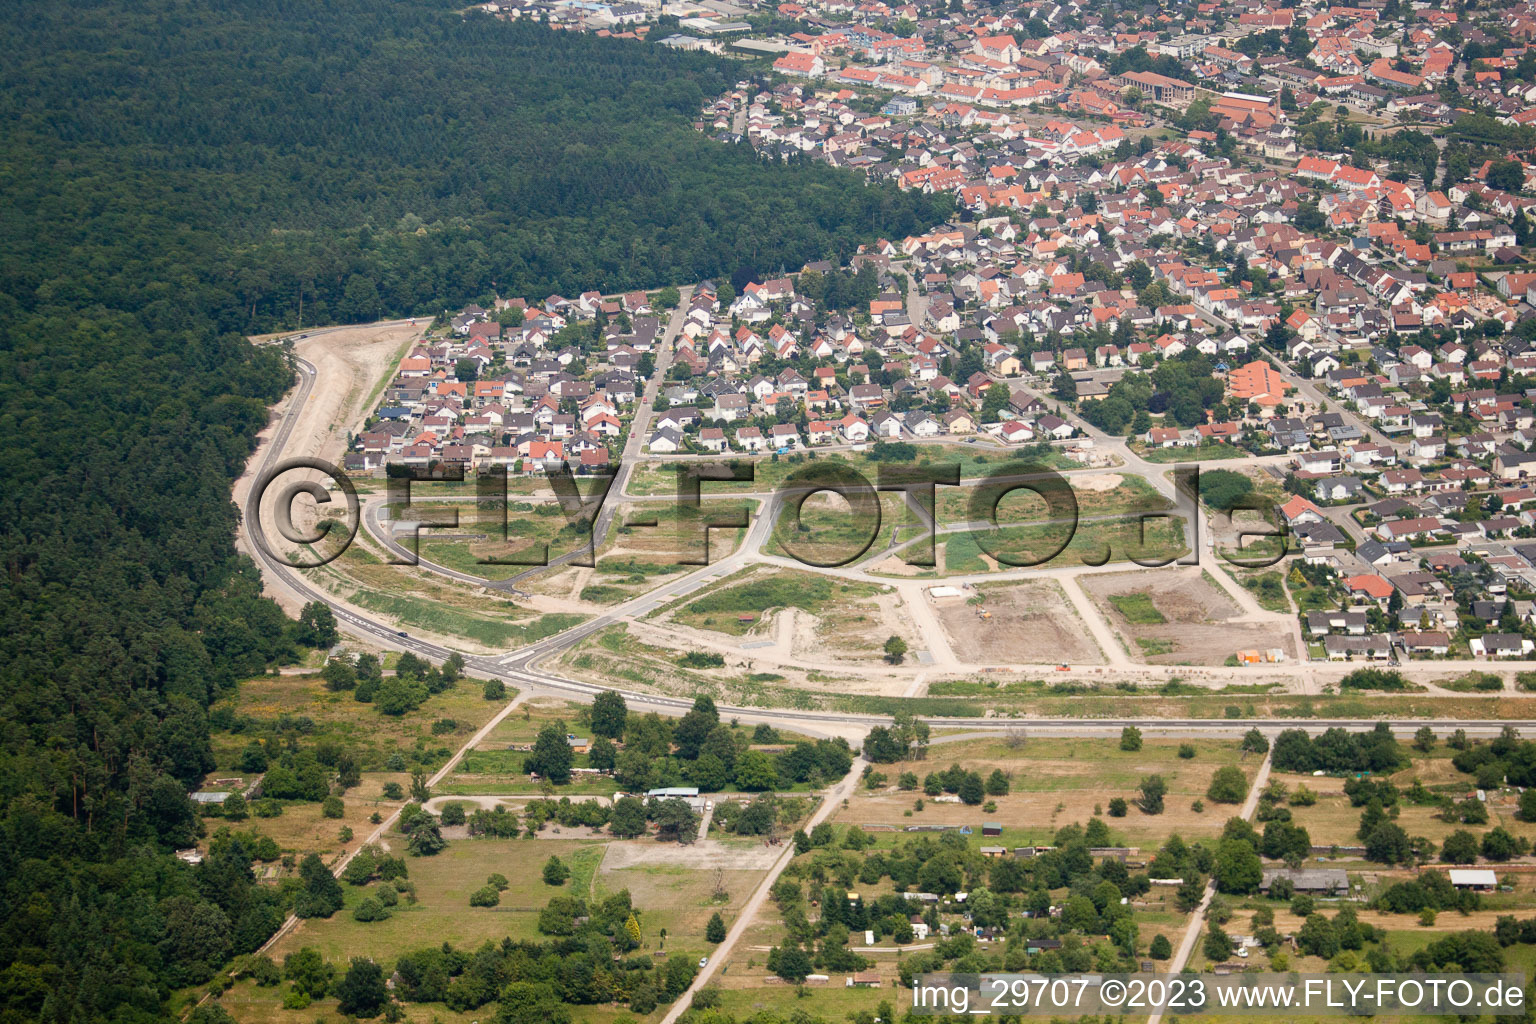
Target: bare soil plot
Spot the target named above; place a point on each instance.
(350, 366)
(1196, 626)
(1032, 623)
(857, 630)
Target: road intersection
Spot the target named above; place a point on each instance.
(525, 669)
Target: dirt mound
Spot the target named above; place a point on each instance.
(1098, 482)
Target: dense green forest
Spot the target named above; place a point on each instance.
(177, 174)
(385, 158)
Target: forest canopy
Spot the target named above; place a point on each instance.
(398, 158)
(178, 175)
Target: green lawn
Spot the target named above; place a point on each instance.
(1138, 609)
(736, 607)
(442, 912)
(500, 631)
(1163, 538)
(1202, 453)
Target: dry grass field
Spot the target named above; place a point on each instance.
(1055, 782)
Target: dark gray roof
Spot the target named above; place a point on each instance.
(1309, 879)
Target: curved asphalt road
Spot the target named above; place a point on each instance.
(521, 667)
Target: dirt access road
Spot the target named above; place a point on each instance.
(754, 905)
(1197, 919)
(351, 365)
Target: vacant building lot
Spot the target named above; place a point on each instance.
(1178, 617)
(828, 530)
(826, 617)
(1097, 494)
(1063, 545)
(677, 538)
(1028, 623)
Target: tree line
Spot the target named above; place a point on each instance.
(176, 177)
